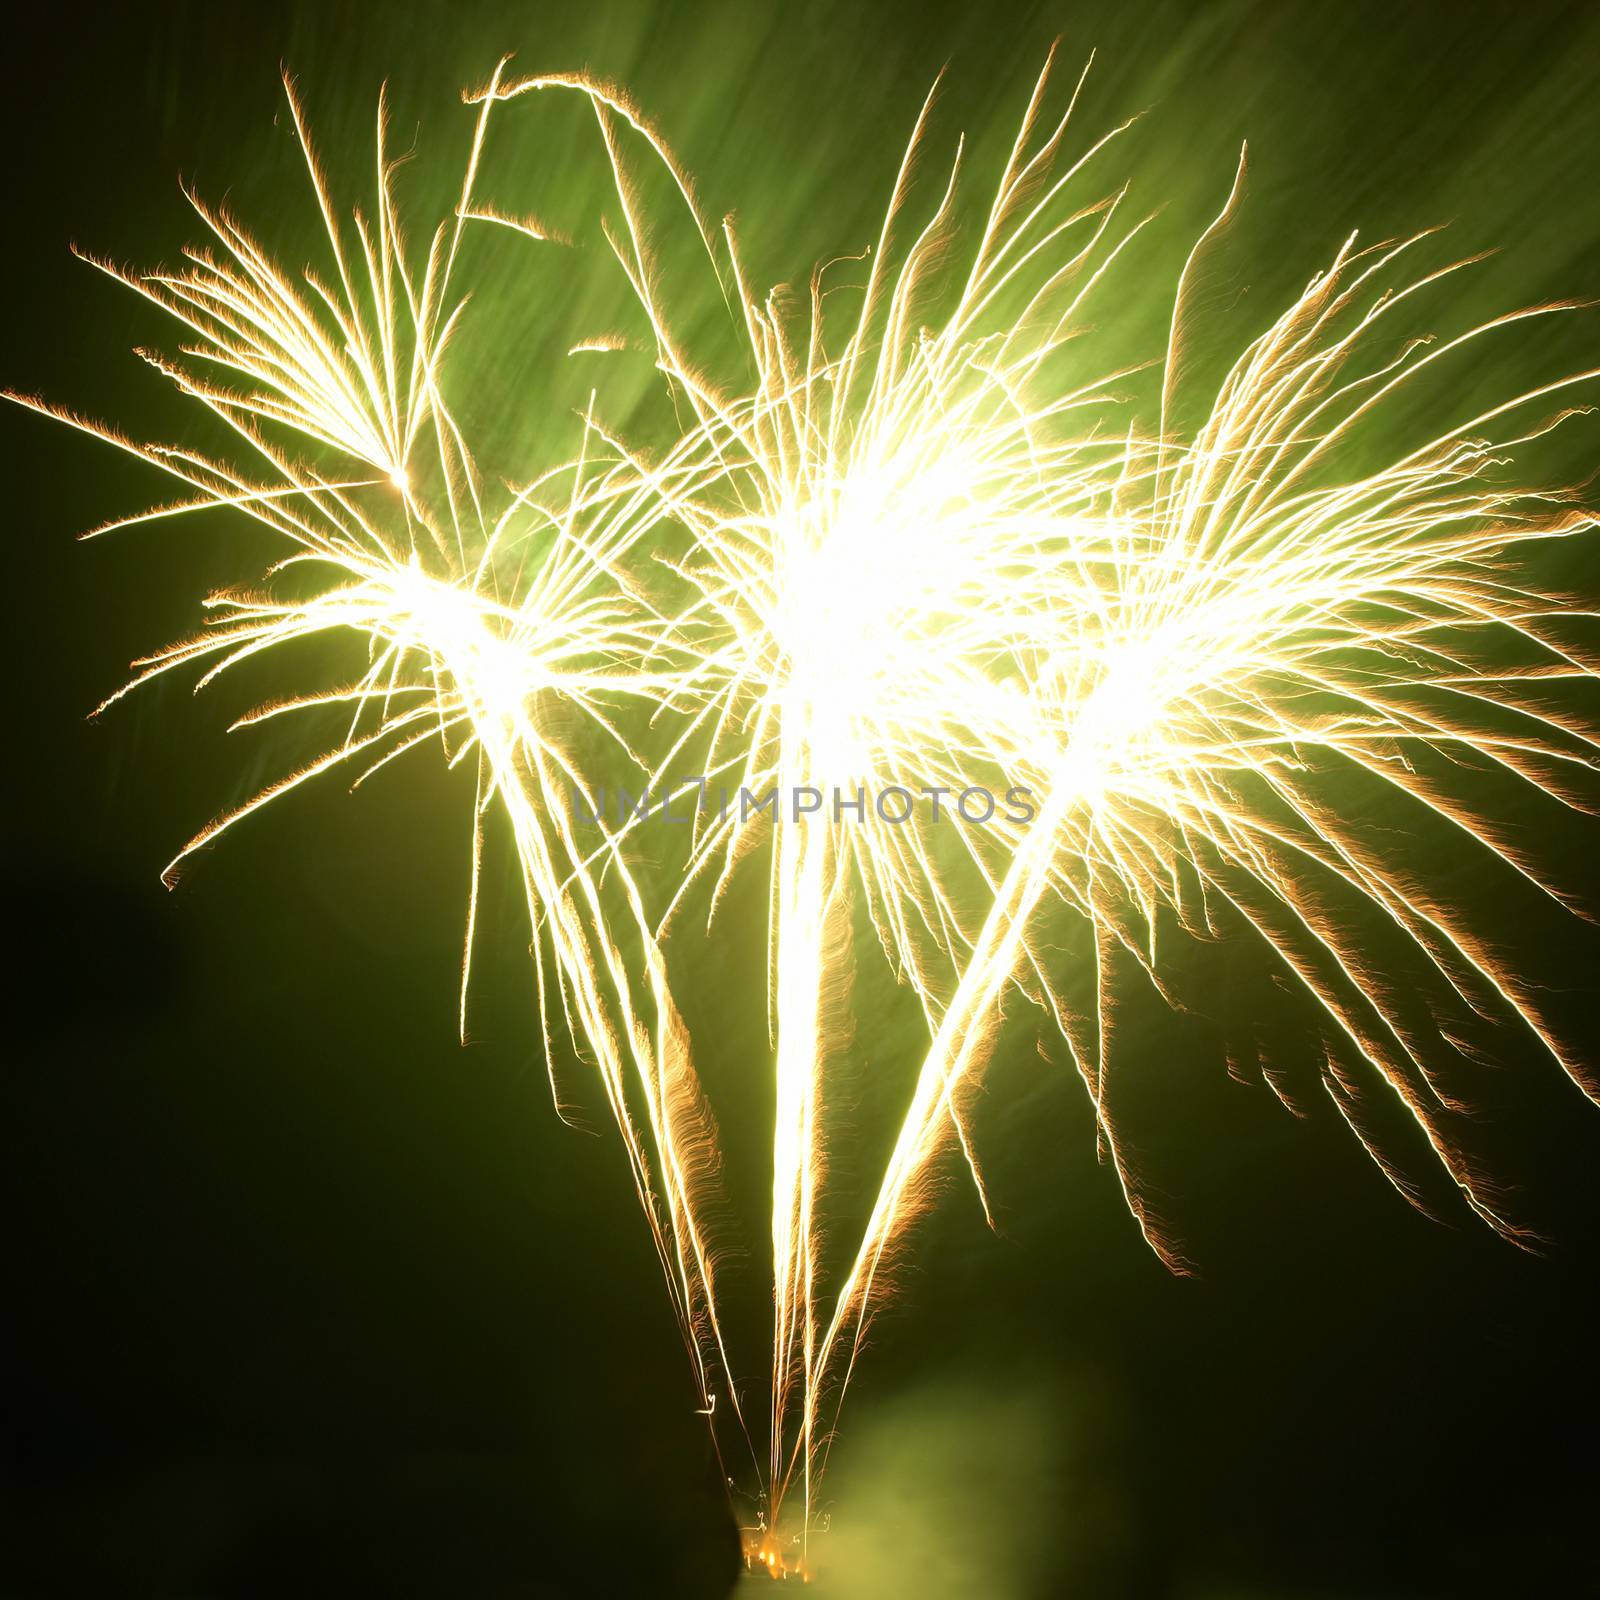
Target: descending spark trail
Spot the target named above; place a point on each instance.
(483, 632)
(923, 545)
(876, 531)
(1263, 625)
(912, 572)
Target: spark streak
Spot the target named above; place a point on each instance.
(926, 545)
(919, 562)
(482, 632)
(1260, 630)
(875, 535)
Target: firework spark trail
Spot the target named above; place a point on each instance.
(404, 555)
(876, 547)
(1213, 622)
(1261, 628)
(916, 558)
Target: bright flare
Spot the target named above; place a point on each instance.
(926, 550)
(488, 629)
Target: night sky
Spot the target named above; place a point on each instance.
(303, 1298)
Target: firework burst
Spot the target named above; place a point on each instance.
(1254, 637)
(491, 625)
(923, 546)
(922, 561)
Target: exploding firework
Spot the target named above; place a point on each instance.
(875, 579)
(921, 545)
(500, 634)
(1257, 636)
(919, 565)
(923, 562)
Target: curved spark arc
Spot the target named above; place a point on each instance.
(1262, 622)
(912, 558)
(908, 496)
(476, 628)
(876, 549)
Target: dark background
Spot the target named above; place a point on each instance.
(304, 1299)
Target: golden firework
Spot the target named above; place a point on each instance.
(921, 547)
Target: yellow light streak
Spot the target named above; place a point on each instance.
(921, 544)
(397, 547)
(918, 561)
